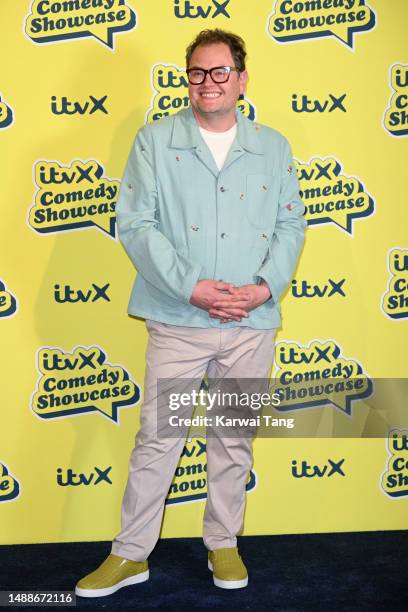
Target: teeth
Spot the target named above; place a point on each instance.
(210, 95)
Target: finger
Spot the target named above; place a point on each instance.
(220, 285)
(240, 291)
(231, 307)
(233, 289)
(220, 314)
(236, 295)
(236, 312)
(239, 297)
(213, 314)
(230, 304)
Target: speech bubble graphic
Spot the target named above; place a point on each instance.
(395, 299)
(297, 20)
(8, 302)
(73, 197)
(190, 479)
(6, 115)
(317, 374)
(394, 480)
(51, 21)
(170, 93)
(395, 119)
(81, 382)
(9, 485)
(331, 196)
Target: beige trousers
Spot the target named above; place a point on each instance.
(190, 353)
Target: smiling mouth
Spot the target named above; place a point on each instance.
(214, 94)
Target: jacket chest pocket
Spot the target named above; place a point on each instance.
(262, 193)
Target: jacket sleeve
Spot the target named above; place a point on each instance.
(288, 235)
(137, 217)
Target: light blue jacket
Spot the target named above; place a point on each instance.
(181, 220)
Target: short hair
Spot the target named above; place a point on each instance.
(210, 37)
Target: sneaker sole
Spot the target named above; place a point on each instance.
(112, 589)
(228, 584)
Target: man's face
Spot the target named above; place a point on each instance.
(211, 98)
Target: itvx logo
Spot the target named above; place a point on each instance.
(190, 479)
(81, 382)
(6, 114)
(394, 481)
(9, 485)
(192, 10)
(170, 93)
(330, 195)
(8, 303)
(308, 105)
(396, 115)
(53, 21)
(65, 294)
(395, 299)
(304, 289)
(68, 478)
(306, 470)
(63, 106)
(73, 197)
(317, 374)
(296, 20)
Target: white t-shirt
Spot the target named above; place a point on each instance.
(219, 143)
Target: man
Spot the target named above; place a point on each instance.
(209, 213)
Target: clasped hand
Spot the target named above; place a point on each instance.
(226, 302)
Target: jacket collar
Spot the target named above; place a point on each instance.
(186, 134)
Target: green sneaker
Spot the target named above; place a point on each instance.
(229, 571)
(113, 574)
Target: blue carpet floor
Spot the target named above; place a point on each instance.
(288, 573)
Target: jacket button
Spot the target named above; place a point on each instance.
(223, 235)
(222, 189)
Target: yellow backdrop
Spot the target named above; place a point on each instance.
(77, 79)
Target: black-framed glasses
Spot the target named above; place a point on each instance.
(219, 74)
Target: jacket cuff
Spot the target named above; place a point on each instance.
(190, 283)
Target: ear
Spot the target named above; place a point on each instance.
(243, 78)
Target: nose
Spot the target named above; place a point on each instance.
(209, 78)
